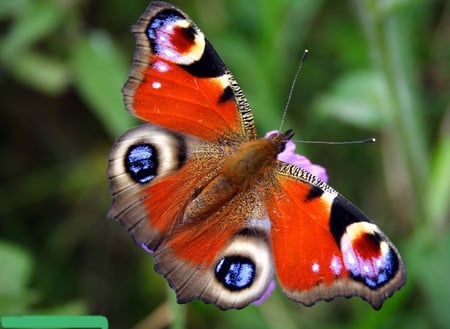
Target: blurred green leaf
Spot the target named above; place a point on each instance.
(16, 266)
(390, 40)
(32, 22)
(100, 72)
(38, 20)
(41, 72)
(438, 195)
(76, 307)
(16, 269)
(392, 5)
(433, 273)
(10, 8)
(357, 98)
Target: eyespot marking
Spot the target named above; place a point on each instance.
(141, 162)
(235, 272)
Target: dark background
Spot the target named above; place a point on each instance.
(376, 69)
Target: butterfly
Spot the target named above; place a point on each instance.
(220, 213)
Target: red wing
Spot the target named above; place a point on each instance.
(325, 247)
(224, 259)
(153, 174)
(178, 81)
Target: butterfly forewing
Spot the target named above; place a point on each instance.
(178, 81)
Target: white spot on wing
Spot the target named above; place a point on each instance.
(170, 54)
(161, 67)
(379, 263)
(156, 85)
(336, 265)
(350, 258)
(366, 268)
(315, 268)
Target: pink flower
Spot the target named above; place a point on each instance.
(289, 156)
(147, 249)
(266, 294)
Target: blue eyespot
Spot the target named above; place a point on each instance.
(141, 162)
(235, 272)
(386, 270)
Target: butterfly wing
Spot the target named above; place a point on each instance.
(325, 247)
(224, 259)
(197, 114)
(153, 175)
(178, 81)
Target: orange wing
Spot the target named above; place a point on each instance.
(223, 259)
(178, 81)
(198, 114)
(153, 175)
(325, 247)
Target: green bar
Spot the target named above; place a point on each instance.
(54, 321)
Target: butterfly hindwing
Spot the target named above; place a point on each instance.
(147, 169)
(225, 260)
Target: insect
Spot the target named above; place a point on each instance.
(220, 213)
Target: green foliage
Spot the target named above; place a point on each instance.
(14, 277)
(359, 99)
(376, 68)
(99, 71)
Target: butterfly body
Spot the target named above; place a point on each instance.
(217, 208)
(249, 167)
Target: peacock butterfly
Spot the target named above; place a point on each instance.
(220, 213)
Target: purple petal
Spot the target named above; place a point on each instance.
(267, 293)
(289, 156)
(147, 249)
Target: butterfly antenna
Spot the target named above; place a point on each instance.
(361, 141)
(291, 90)
(288, 102)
